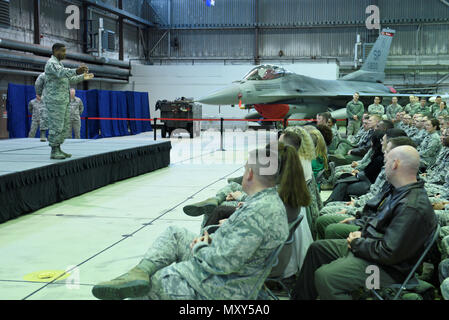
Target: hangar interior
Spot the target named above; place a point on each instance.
(172, 49)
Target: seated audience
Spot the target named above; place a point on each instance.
(225, 265)
(358, 183)
(392, 237)
(329, 224)
(357, 166)
(346, 153)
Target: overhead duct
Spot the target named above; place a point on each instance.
(39, 63)
(40, 50)
(36, 74)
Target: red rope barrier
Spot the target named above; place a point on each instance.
(177, 119)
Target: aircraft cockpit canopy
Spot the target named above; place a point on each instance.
(265, 72)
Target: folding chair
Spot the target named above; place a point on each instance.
(411, 282)
(291, 237)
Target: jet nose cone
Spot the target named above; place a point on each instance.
(225, 96)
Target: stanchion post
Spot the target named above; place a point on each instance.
(221, 134)
(87, 127)
(154, 128)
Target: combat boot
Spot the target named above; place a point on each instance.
(67, 155)
(200, 208)
(133, 284)
(445, 289)
(56, 154)
(43, 139)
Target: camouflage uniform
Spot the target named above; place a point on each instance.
(419, 136)
(392, 110)
(400, 125)
(76, 109)
(411, 107)
(36, 109)
(352, 109)
(39, 86)
(336, 138)
(316, 204)
(230, 266)
(437, 172)
(375, 188)
(376, 109)
(56, 99)
(429, 149)
(443, 269)
(221, 198)
(423, 110)
(434, 108)
(347, 144)
(410, 130)
(361, 165)
(439, 112)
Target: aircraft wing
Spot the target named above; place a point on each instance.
(385, 94)
(300, 94)
(339, 94)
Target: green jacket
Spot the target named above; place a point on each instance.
(35, 109)
(429, 149)
(230, 266)
(392, 111)
(423, 110)
(439, 112)
(355, 108)
(434, 108)
(411, 107)
(376, 109)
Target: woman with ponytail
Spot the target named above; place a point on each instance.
(320, 162)
(291, 184)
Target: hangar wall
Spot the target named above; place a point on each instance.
(254, 30)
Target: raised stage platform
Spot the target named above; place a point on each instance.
(30, 180)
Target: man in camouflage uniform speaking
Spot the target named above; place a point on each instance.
(56, 98)
(227, 264)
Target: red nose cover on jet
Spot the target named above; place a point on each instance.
(272, 111)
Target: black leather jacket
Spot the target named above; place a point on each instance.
(395, 228)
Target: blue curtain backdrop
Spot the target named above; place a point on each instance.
(97, 103)
(136, 109)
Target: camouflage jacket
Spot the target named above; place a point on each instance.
(362, 164)
(439, 112)
(57, 82)
(434, 108)
(355, 108)
(437, 172)
(376, 109)
(39, 85)
(35, 108)
(76, 108)
(423, 110)
(355, 140)
(336, 138)
(410, 130)
(419, 136)
(392, 111)
(429, 149)
(411, 107)
(231, 265)
(374, 189)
